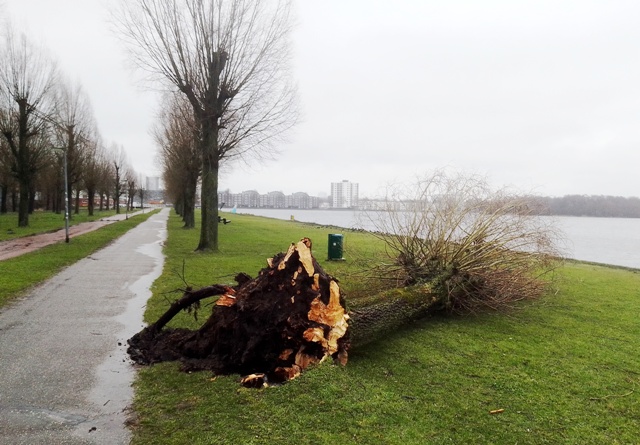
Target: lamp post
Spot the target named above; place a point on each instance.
(66, 197)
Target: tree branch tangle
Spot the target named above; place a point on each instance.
(474, 247)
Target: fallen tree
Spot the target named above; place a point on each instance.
(271, 328)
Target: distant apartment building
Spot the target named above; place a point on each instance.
(344, 195)
(301, 200)
(250, 198)
(271, 200)
(275, 200)
(226, 199)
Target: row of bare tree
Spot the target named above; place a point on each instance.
(224, 65)
(45, 117)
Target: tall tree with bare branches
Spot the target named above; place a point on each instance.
(74, 132)
(131, 183)
(27, 82)
(142, 189)
(105, 178)
(92, 173)
(118, 169)
(230, 60)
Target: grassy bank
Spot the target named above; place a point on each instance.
(20, 273)
(564, 369)
(40, 222)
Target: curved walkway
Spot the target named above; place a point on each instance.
(19, 246)
(65, 377)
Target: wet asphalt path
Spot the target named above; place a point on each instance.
(64, 374)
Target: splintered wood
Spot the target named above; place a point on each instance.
(328, 322)
(270, 328)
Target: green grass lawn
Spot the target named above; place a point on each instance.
(565, 369)
(20, 273)
(41, 221)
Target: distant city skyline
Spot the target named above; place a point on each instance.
(343, 195)
(266, 189)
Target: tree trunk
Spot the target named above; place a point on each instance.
(23, 206)
(91, 193)
(178, 206)
(14, 200)
(370, 321)
(189, 206)
(209, 196)
(77, 206)
(4, 191)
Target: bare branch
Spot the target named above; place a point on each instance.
(475, 247)
(229, 58)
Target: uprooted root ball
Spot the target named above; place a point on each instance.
(270, 328)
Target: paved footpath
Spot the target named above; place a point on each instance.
(19, 246)
(64, 374)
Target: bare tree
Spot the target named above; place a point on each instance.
(27, 82)
(105, 177)
(118, 167)
(131, 183)
(142, 189)
(92, 173)
(74, 130)
(176, 136)
(50, 180)
(230, 60)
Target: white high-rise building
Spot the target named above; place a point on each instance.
(344, 194)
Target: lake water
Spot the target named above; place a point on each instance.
(601, 240)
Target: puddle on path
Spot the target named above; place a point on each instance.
(113, 392)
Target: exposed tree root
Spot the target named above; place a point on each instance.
(270, 328)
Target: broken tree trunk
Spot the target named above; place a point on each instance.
(386, 312)
(269, 328)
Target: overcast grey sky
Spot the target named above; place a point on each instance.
(540, 95)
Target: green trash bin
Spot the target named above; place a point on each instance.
(336, 241)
